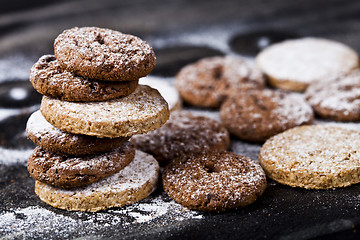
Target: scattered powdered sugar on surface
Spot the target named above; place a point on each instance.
(14, 156)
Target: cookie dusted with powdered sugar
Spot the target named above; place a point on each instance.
(68, 172)
(214, 181)
(133, 183)
(294, 64)
(104, 54)
(141, 111)
(338, 100)
(48, 78)
(183, 133)
(206, 83)
(317, 157)
(259, 114)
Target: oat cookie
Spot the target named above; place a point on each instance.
(294, 64)
(184, 133)
(104, 54)
(140, 112)
(68, 172)
(48, 78)
(55, 140)
(214, 181)
(260, 114)
(339, 99)
(133, 183)
(206, 82)
(317, 157)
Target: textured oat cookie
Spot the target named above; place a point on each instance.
(214, 181)
(317, 157)
(206, 83)
(68, 172)
(55, 140)
(294, 64)
(140, 112)
(104, 54)
(48, 78)
(133, 183)
(339, 99)
(184, 133)
(260, 114)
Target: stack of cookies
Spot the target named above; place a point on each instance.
(92, 105)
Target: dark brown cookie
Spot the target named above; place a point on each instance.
(214, 181)
(206, 83)
(183, 133)
(338, 99)
(48, 78)
(259, 114)
(52, 139)
(104, 54)
(67, 172)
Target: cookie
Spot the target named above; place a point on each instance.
(214, 181)
(68, 172)
(55, 140)
(183, 133)
(294, 64)
(104, 54)
(317, 157)
(338, 100)
(259, 114)
(206, 83)
(137, 113)
(166, 89)
(48, 78)
(133, 183)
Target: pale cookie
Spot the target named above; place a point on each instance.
(133, 183)
(259, 114)
(55, 140)
(338, 100)
(317, 157)
(104, 54)
(207, 82)
(137, 113)
(214, 181)
(184, 133)
(294, 64)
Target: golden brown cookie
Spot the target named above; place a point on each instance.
(104, 54)
(317, 157)
(55, 140)
(294, 64)
(137, 113)
(183, 133)
(206, 83)
(48, 78)
(214, 181)
(338, 100)
(259, 114)
(133, 183)
(68, 172)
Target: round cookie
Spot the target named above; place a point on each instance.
(338, 100)
(48, 78)
(316, 157)
(104, 54)
(55, 140)
(206, 83)
(68, 172)
(214, 181)
(133, 183)
(260, 114)
(294, 64)
(141, 111)
(183, 133)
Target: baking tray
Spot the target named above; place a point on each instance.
(180, 32)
